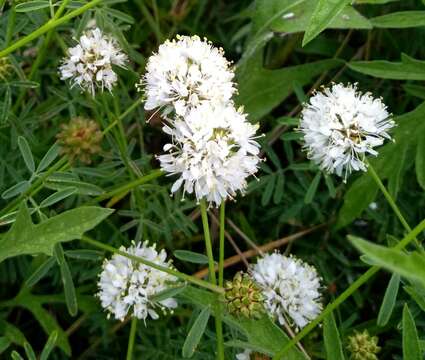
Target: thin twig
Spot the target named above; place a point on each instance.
(232, 242)
(265, 248)
(244, 236)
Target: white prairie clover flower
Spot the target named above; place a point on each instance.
(213, 150)
(127, 286)
(89, 63)
(290, 288)
(341, 126)
(184, 73)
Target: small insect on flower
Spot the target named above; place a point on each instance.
(213, 150)
(80, 139)
(186, 72)
(290, 288)
(128, 287)
(342, 125)
(89, 63)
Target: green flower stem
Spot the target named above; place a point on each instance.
(213, 279)
(131, 338)
(173, 272)
(221, 254)
(347, 293)
(129, 186)
(391, 202)
(51, 24)
(208, 244)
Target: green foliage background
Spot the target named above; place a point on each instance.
(282, 50)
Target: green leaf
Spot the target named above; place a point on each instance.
(29, 352)
(46, 320)
(400, 20)
(311, 191)
(12, 333)
(50, 156)
(4, 111)
(298, 19)
(195, 333)
(68, 284)
(191, 256)
(83, 188)
(324, 12)
(332, 339)
(31, 6)
(407, 69)
(262, 334)
(353, 203)
(15, 356)
(417, 293)
(58, 196)
(50, 344)
(268, 191)
(410, 265)
(420, 162)
(411, 348)
(16, 189)
(388, 303)
(40, 272)
(415, 90)
(26, 238)
(261, 90)
(4, 344)
(26, 153)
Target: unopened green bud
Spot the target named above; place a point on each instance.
(243, 296)
(362, 346)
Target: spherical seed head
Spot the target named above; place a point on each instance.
(80, 139)
(362, 346)
(243, 296)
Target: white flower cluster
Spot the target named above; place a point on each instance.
(341, 126)
(213, 148)
(290, 288)
(127, 286)
(89, 63)
(213, 151)
(185, 73)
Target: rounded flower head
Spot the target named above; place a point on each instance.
(362, 346)
(341, 126)
(89, 63)
(80, 139)
(290, 288)
(127, 286)
(213, 150)
(184, 73)
(243, 296)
